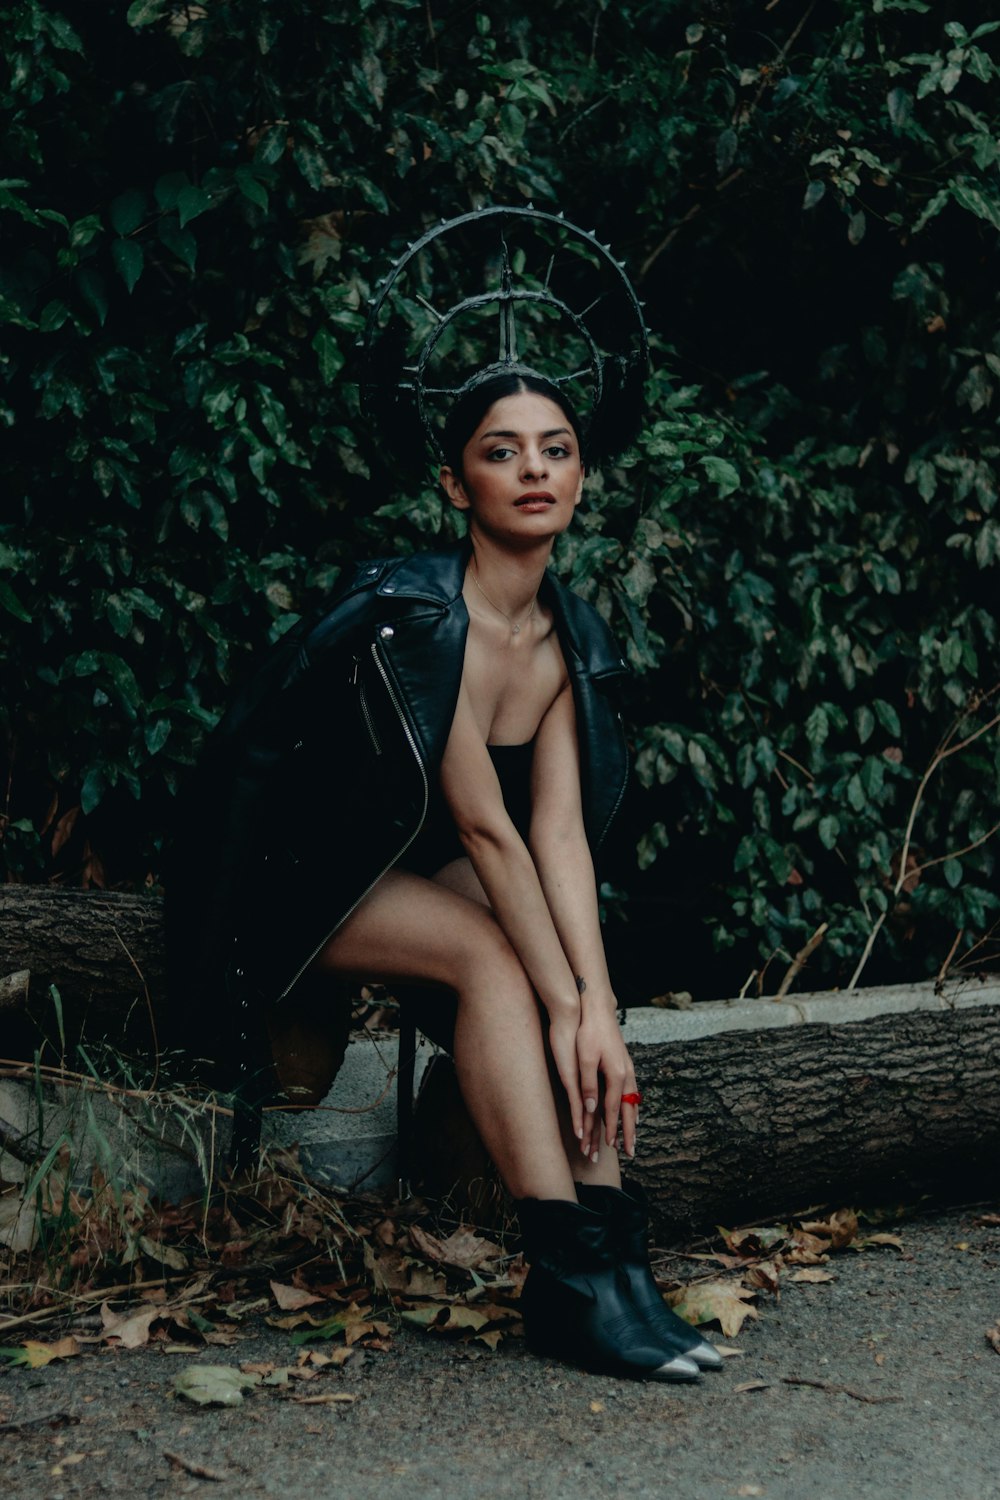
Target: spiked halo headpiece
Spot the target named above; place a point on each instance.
(552, 302)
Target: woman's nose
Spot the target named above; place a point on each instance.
(533, 463)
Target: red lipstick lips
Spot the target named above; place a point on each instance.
(535, 497)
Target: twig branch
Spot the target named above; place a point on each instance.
(838, 1390)
(941, 973)
(800, 960)
(954, 853)
(945, 749)
(149, 1006)
(200, 1471)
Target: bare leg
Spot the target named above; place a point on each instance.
(408, 927)
(459, 876)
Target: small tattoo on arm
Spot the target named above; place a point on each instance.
(581, 983)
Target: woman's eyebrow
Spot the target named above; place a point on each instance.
(498, 432)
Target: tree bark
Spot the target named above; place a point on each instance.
(103, 952)
(744, 1124)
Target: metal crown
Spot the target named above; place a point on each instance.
(607, 332)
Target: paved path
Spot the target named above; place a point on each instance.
(433, 1419)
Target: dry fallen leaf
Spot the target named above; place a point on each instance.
(881, 1239)
(750, 1489)
(752, 1242)
(164, 1255)
(39, 1355)
(751, 1385)
(457, 1317)
(838, 1230)
(724, 1302)
(291, 1298)
(812, 1274)
(596, 1406)
(993, 1336)
(463, 1249)
(129, 1330)
(766, 1275)
(213, 1385)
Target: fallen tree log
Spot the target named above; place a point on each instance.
(750, 1108)
(895, 1095)
(103, 952)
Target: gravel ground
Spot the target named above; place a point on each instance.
(433, 1419)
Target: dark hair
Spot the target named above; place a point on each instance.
(471, 406)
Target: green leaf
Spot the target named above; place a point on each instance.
(12, 603)
(94, 291)
(192, 201)
(156, 735)
(974, 201)
(128, 259)
(168, 189)
(93, 789)
(722, 473)
(271, 145)
(330, 358)
(817, 726)
(864, 721)
(128, 211)
(53, 316)
(180, 241)
(828, 829)
(145, 12)
(251, 187)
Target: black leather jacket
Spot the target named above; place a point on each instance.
(317, 780)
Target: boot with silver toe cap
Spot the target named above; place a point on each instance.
(576, 1301)
(626, 1211)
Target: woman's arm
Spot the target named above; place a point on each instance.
(507, 873)
(565, 868)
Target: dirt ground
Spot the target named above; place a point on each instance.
(881, 1382)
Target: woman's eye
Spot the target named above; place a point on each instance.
(499, 453)
(557, 450)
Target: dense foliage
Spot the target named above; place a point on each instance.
(801, 553)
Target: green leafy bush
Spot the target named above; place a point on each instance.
(801, 553)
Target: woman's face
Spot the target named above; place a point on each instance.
(522, 475)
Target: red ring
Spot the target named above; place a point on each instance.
(635, 1099)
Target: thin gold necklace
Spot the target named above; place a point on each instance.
(514, 629)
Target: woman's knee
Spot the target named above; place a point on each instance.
(485, 963)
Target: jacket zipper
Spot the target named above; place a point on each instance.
(618, 802)
(366, 714)
(411, 741)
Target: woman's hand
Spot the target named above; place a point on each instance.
(603, 1057)
(564, 1028)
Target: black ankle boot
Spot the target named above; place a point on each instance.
(627, 1215)
(576, 1303)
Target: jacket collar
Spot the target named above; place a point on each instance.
(437, 578)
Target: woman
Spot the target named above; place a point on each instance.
(496, 899)
(412, 788)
